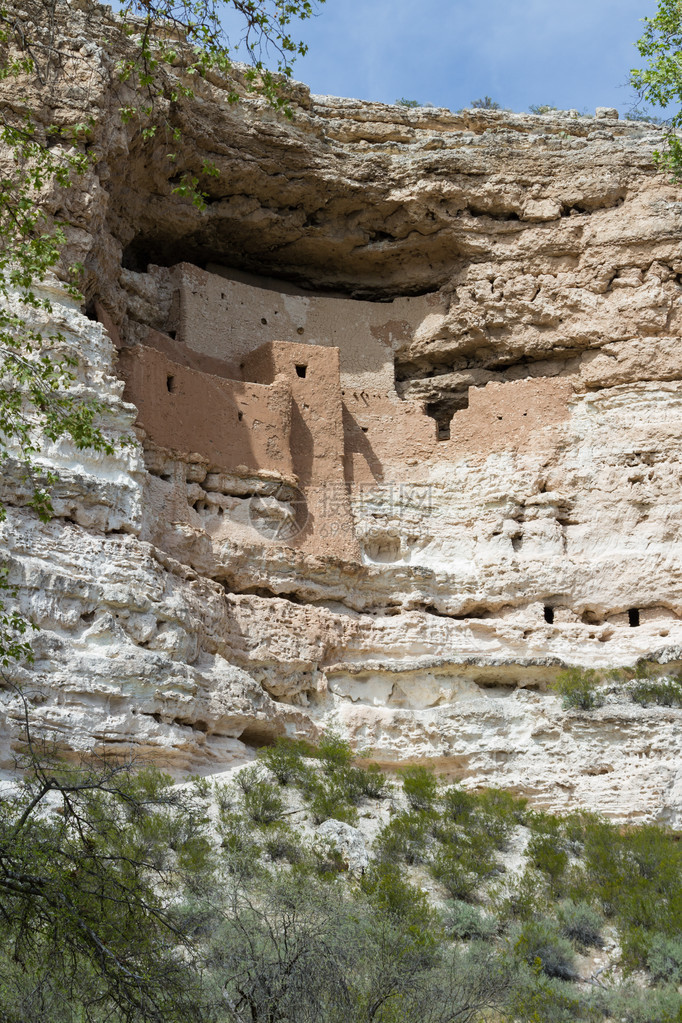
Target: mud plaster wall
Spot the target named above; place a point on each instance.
(228, 319)
(350, 426)
(317, 437)
(231, 423)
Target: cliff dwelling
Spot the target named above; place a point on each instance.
(302, 386)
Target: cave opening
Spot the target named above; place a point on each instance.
(633, 617)
(549, 614)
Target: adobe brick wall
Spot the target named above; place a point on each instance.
(232, 423)
(510, 415)
(317, 439)
(229, 319)
(288, 405)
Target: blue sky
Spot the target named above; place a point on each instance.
(449, 52)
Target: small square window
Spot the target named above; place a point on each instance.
(301, 370)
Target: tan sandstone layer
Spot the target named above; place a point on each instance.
(407, 388)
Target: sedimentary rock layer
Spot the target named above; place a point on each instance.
(401, 417)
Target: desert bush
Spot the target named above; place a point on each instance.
(541, 108)
(241, 851)
(462, 920)
(537, 998)
(541, 941)
(420, 787)
(454, 873)
(629, 1003)
(247, 777)
(369, 782)
(406, 837)
(581, 923)
(578, 688)
(499, 813)
(389, 890)
(546, 853)
(334, 752)
(285, 758)
(224, 796)
(263, 803)
(666, 692)
(280, 842)
(458, 804)
(521, 897)
(329, 799)
(485, 103)
(664, 958)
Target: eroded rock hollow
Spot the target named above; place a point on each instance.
(399, 422)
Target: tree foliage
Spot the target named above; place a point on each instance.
(92, 860)
(659, 82)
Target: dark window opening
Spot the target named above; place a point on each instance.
(240, 415)
(264, 321)
(172, 333)
(301, 371)
(443, 411)
(365, 429)
(299, 330)
(549, 615)
(170, 384)
(633, 617)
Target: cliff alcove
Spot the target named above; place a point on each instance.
(403, 409)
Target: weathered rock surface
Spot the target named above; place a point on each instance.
(491, 474)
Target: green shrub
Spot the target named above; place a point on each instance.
(462, 920)
(249, 776)
(406, 837)
(666, 692)
(420, 787)
(282, 843)
(263, 803)
(499, 813)
(328, 799)
(581, 923)
(407, 102)
(541, 941)
(521, 897)
(389, 891)
(628, 1003)
(224, 796)
(368, 781)
(541, 108)
(537, 998)
(545, 853)
(328, 861)
(285, 758)
(578, 688)
(664, 958)
(485, 103)
(241, 852)
(454, 873)
(458, 804)
(334, 752)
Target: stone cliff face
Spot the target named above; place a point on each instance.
(403, 411)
